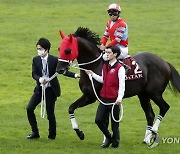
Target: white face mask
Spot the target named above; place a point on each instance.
(41, 53)
(105, 58)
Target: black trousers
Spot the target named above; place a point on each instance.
(102, 120)
(50, 106)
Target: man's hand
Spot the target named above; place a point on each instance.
(89, 72)
(117, 102)
(43, 80)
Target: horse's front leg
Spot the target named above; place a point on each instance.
(82, 101)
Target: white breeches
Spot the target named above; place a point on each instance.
(124, 52)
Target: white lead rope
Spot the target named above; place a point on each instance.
(113, 104)
(43, 97)
(43, 101)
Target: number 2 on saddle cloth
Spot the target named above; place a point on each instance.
(135, 72)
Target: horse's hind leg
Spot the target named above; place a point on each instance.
(163, 106)
(82, 101)
(146, 106)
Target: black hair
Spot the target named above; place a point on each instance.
(114, 49)
(43, 42)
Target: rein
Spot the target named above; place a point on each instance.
(90, 61)
(43, 97)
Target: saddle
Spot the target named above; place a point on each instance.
(134, 72)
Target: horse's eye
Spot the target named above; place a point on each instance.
(67, 51)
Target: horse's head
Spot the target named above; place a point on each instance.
(68, 51)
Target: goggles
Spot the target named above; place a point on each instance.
(114, 13)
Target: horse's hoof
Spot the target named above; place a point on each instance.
(80, 134)
(154, 140)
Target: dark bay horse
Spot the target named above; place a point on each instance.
(83, 46)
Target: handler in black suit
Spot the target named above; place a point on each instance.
(43, 67)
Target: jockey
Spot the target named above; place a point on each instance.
(117, 31)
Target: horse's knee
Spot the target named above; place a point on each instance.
(164, 109)
(167, 107)
(71, 110)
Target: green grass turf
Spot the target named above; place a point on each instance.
(153, 26)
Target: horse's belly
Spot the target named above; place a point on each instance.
(134, 87)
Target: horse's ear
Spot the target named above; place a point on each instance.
(70, 37)
(61, 34)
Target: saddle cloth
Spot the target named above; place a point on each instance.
(135, 72)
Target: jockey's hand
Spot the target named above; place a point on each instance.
(89, 72)
(102, 47)
(117, 102)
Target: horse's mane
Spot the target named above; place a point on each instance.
(88, 35)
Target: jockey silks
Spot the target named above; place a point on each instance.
(117, 32)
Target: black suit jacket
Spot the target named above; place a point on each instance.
(37, 73)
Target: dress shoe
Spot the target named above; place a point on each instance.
(115, 144)
(33, 135)
(51, 137)
(106, 144)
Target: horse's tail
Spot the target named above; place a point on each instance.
(175, 79)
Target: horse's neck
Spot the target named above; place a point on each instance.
(88, 53)
(86, 62)
(97, 67)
